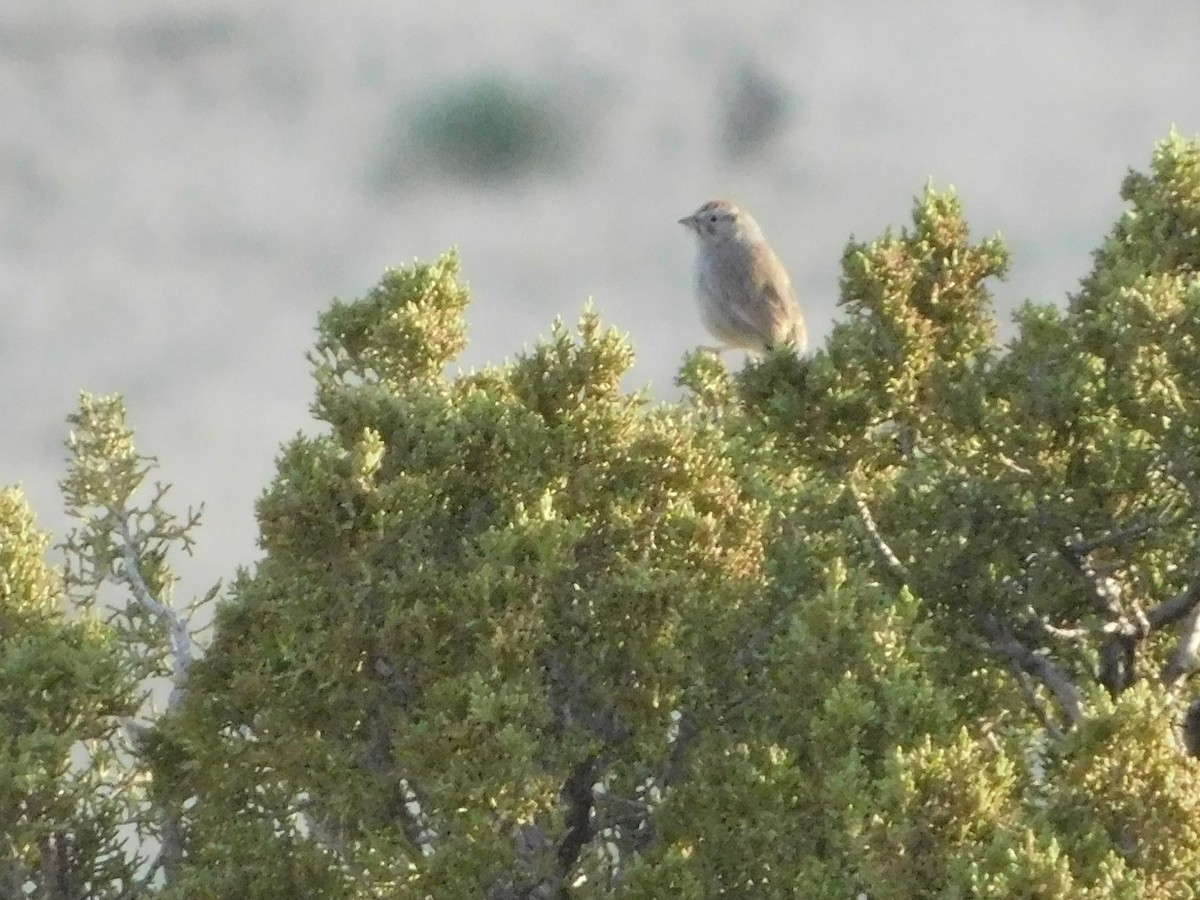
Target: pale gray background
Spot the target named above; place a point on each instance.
(185, 185)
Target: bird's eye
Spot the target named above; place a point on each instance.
(712, 218)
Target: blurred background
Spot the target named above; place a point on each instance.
(187, 184)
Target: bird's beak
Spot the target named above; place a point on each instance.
(688, 221)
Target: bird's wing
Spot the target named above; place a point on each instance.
(771, 310)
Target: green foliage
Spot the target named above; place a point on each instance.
(119, 539)
(62, 686)
(912, 617)
(516, 628)
(1118, 792)
(477, 585)
(77, 796)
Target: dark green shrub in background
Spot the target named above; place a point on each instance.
(490, 130)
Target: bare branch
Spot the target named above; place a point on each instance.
(1012, 464)
(1177, 607)
(1117, 537)
(688, 731)
(894, 565)
(1118, 663)
(1036, 704)
(1105, 590)
(1079, 632)
(1189, 728)
(1187, 655)
(170, 835)
(1005, 644)
(177, 627)
(1128, 623)
(577, 792)
(1024, 662)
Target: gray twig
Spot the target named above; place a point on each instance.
(897, 568)
(1004, 643)
(1186, 656)
(177, 627)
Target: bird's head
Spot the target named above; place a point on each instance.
(720, 220)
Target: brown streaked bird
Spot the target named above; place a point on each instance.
(745, 296)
